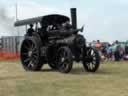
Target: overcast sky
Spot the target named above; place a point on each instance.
(106, 20)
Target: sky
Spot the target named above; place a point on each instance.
(106, 20)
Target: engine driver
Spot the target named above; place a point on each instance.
(66, 25)
(30, 30)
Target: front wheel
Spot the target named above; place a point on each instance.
(64, 59)
(91, 60)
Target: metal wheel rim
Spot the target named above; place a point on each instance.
(62, 59)
(92, 64)
(29, 54)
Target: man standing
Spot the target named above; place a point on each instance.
(30, 30)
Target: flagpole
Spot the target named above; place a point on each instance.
(16, 6)
(17, 38)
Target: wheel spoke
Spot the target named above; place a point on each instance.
(94, 58)
(92, 52)
(29, 65)
(29, 44)
(88, 65)
(34, 52)
(64, 55)
(25, 54)
(63, 66)
(32, 46)
(26, 47)
(35, 56)
(89, 52)
(94, 62)
(34, 49)
(33, 61)
(91, 66)
(63, 60)
(27, 60)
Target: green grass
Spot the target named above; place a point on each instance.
(110, 80)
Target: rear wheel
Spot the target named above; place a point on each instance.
(64, 60)
(30, 54)
(91, 60)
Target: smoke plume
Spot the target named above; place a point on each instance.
(6, 23)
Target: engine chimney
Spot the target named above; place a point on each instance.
(74, 17)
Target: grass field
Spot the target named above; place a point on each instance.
(110, 80)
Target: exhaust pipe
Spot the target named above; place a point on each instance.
(74, 17)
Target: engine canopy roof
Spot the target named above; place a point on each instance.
(44, 20)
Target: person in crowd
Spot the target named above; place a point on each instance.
(117, 54)
(109, 52)
(98, 45)
(99, 48)
(126, 49)
(122, 52)
(125, 57)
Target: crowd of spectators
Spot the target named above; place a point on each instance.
(116, 51)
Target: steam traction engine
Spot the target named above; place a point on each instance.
(56, 43)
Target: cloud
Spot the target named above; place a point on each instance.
(30, 8)
(106, 20)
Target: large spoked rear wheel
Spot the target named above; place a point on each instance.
(30, 54)
(91, 61)
(64, 59)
